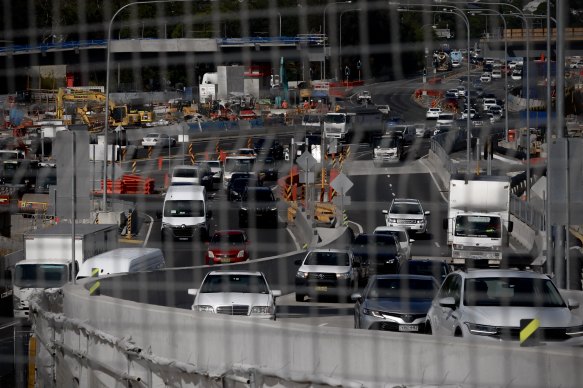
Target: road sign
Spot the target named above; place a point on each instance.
(306, 161)
(341, 184)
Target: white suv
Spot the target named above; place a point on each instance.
(407, 213)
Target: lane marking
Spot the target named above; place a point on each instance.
(322, 324)
(149, 230)
(297, 244)
(6, 326)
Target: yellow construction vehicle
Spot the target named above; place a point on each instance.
(92, 101)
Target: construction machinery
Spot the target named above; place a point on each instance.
(89, 105)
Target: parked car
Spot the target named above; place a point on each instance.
(244, 293)
(395, 303)
(258, 207)
(227, 246)
(489, 305)
(377, 254)
(407, 213)
(326, 272)
(433, 113)
(402, 237)
(439, 269)
(158, 140)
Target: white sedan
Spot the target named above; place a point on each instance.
(158, 140)
(401, 235)
(433, 113)
(486, 78)
(243, 293)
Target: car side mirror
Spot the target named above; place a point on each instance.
(356, 296)
(572, 304)
(192, 291)
(510, 226)
(385, 211)
(276, 293)
(447, 302)
(411, 241)
(427, 212)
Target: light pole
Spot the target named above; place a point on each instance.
(324, 33)
(340, 33)
(279, 14)
(107, 75)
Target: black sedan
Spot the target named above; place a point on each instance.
(258, 207)
(377, 254)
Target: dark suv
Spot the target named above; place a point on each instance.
(258, 204)
(377, 254)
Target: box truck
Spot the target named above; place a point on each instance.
(478, 218)
(48, 257)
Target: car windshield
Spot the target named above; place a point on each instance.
(229, 238)
(339, 259)
(184, 209)
(388, 142)
(405, 208)
(335, 118)
(186, 173)
(214, 164)
(40, 275)
(511, 291)
(259, 196)
(384, 240)
(241, 165)
(401, 236)
(153, 135)
(425, 268)
(241, 283)
(400, 288)
(478, 226)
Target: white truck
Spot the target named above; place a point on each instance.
(478, 219)
(48, 257)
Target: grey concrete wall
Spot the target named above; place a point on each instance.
(214, 345)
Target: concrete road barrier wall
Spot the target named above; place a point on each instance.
(99, 337)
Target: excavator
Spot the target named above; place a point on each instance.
(118, 114)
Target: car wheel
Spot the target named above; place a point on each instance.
(300, 297)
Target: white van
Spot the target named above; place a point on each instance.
(197, 174)
(185, 215)
(122, 260)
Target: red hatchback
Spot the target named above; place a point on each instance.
(227, 246)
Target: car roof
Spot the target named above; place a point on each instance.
(403, 276)
(390, 229)
(489, 273)
(331, 250)
(406, 200)
(230, 231)
(241, 272)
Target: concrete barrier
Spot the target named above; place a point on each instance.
(102, 340)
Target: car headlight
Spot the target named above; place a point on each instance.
(211, 254)
(273, 209)
(203, 308)
(574, 331)
(458, 246)
(241, 254)
(262, 310)
(244, 209)
(345, 275)
(392, 220)
(373, 313)
(477, 329)
(302, 275)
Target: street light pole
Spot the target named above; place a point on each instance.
(324, 33)
(107, 75)
(340, 37)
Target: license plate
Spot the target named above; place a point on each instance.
(225, 260)
(321, 288)
(408, 328)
